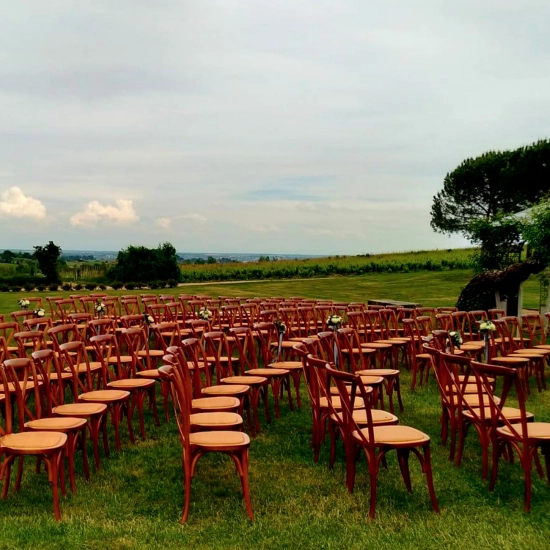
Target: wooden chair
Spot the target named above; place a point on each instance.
(526, 438)
(48, 446)
(377, 440)
(234, 444)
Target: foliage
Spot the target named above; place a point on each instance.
(492, 184)
(536, 232)
(47, 257)
(500, 239)
(140, 264)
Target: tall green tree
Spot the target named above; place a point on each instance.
(47, 258)
(142, 265)
(479, 194)
(492, 184)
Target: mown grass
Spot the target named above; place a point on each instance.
(135, 501)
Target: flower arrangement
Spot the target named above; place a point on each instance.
(487, 326)
(456, 338)
(205, 314)
(100, 307)
(23, 303)
(39, 312)
(334, 321)
(148, 319)
(280, 326)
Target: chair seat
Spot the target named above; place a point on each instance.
(150, 373)
(511, 413)
(83, 367)
(395, 435)
(81, 410)
(215, 403)
(287, 365)
(62, 424)
(376, 345)
(356, 351)
(131, 383)
(244, 380)
(336, 403)
(535, 430)
(371, 380)
(120, 359)
(209, 419)
(151, 353)
(33, 442)
(224, 389)
(102, 396)
(219, 439)
(378, 417)
(271, 371)
(378, 372)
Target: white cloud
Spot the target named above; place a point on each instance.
(121, 214)
(15, 204)
(194, 218)
(163, 223)
(259, 228)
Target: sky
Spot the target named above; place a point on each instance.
(270, 126)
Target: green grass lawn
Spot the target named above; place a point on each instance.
(135, 501)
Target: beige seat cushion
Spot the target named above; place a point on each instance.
(226, 389)
(266, 372)
(219, 439)
(61, 424)
(244, 380)
(33, 442)
(80, 409)
(287, 365)
(215, 403)
(395, 435)
(535, 430)
(216, 419)
(103, 396)
(131, 384)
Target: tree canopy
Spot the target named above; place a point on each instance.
(140, 264)
(490, 185)
(48, 257)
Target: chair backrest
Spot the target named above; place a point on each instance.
(484, 376)
(20, 316)
(349, 388)
(74, 357)
(22, 375)
(354, 359)
(244, 344)
(533, 328)
(180, 389)
(29, 341)
(49, 368)
(61, 334)
(108, 352)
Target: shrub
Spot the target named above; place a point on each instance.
(41, 288)
(4, 287)
(78, 286)
(172, 283)
(28, 287)
(90, 286)
(117, 286)
(130, 286)
(53, 287)
(67, 286)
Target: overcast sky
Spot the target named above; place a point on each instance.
(270, 126)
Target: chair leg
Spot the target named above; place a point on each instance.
(429, 477)
(187, 491)
(403, 460)
(244, 483)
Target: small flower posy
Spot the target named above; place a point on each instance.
(487, 326)
(100, 307)
(205, 314)
(280, 326)
(148, 319)
(23, 303)
(39, 312)
(334, 321)
(456, 338)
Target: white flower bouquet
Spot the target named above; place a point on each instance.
(39, 312)
(205, 314)
(456, 338)
(487, 326)
(23, 303)
(280, 326)
(334, 321)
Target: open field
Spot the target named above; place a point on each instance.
(430, 288)
(135, 501)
